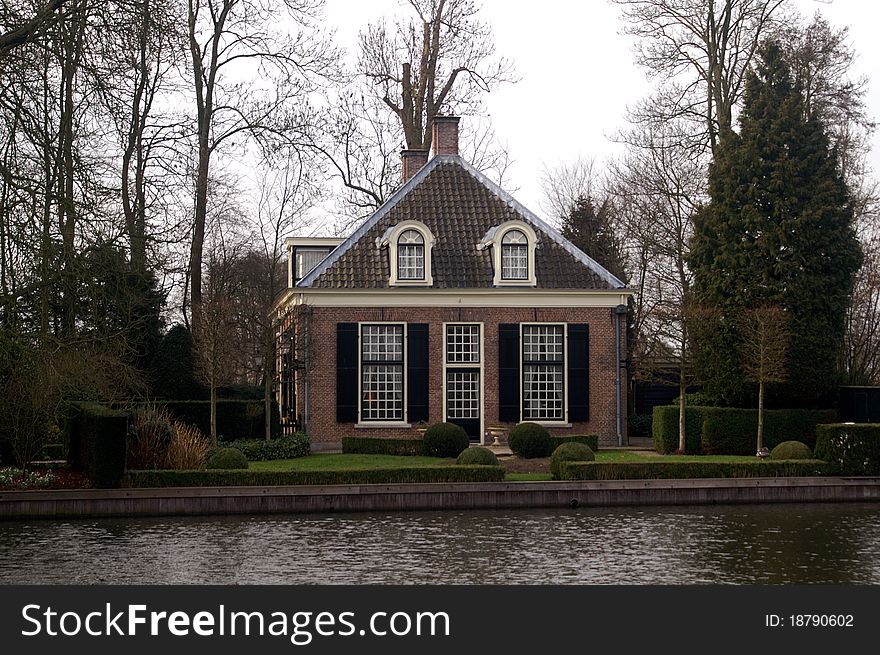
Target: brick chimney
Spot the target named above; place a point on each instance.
(444, 135)
(412, 161)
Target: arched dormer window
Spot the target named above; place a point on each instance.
(409, 246)
(411, 255)
(513, 246)
(514, 256)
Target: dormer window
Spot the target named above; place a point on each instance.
(513, 245)
(514, 256)
(411, 255)
(409, 246)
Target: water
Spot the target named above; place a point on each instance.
(771, 544)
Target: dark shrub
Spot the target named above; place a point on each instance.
(379, 446)
(445, 440)
(791, 450)
(477, 455)
(420, 474)
(733, 431)
(664, 424)
(569, 452)
(640, 425)
(99, 436)
(851, 449)
(671, 470)
(227, 458)
(236, 419)
(530, 440)
(590, 440)
(259, 450)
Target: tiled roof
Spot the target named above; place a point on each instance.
(459, 205)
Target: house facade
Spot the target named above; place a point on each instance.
(452, 302)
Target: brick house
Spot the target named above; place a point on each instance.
(452, 302)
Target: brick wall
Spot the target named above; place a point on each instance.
(324, 431)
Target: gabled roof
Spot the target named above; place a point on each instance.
(459, 205)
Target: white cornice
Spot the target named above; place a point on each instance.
(503, 297)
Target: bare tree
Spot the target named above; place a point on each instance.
(441, 59)
(699, 51)
(764, 331)
(228, 40)
(567, 182)
(25, 29)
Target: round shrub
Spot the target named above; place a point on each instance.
(477, 455)
(570, 451)
(529, 440)
(791, 450)
(227, 458)
(445, 440)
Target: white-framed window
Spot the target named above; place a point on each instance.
(463, 376)
(409, 246)
(308, 258)
(411, 255)
(514, 256)
(382, 372)
(462, 344)
(513, 245)
(543, 372)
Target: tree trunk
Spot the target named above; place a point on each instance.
(213, 407)
(682, 441)
(760, 415)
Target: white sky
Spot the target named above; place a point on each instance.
(577, 74)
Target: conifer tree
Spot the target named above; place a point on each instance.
(778, 230)
(589, 227)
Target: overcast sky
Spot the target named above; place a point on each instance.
(577, 74)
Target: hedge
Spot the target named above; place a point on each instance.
(590, 440)
(422, 474)
(681, 470)
(379, 446)
(733, 431)
(98, 443)
(236, 419)
(852, 449)
(259, 450)
(664, 426)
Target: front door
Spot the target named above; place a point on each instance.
(463, 399)
(463, 384)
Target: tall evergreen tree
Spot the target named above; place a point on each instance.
(778, 230)
(588, 225)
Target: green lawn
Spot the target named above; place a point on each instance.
(339, 461)
(630, 456)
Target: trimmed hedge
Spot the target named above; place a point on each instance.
(477, 455)
(569, 452)
(664, 426)
(236, 419)
(734, 431)
(423, 474)
(850, 449)
(98, 444)
(379, 446)
(445, 440)
(529, 440)
(682, 470)
(590, 440)
(259, 450)
(791, 450)
(226, 458)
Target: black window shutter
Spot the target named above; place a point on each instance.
(578, 372)
(508, 372)
(346, 372)
(417, 372)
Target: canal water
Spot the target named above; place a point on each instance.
(772, 544)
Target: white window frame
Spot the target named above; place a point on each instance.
(390, 239)
(482, 364)
(372, 423)
(548, 422)
(494, 238)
